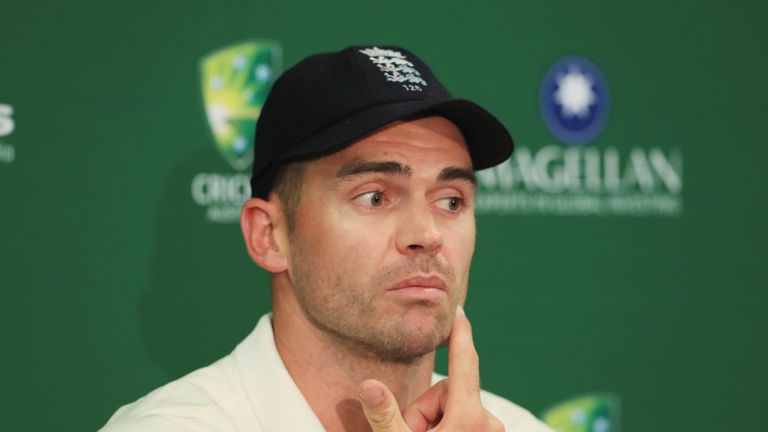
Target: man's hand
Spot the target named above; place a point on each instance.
(450, 405)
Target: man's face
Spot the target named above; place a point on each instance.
(384, 235)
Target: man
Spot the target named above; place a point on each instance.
(362, 212)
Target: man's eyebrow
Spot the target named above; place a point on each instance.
(366, 167)
(456, 173)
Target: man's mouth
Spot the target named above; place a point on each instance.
(420, 288)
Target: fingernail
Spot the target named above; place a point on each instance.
(460, 311)
(371, 395)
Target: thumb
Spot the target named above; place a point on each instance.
(380, 407)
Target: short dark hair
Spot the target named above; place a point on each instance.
(287, 186)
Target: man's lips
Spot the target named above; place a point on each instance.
(420, 282)
(420, 288)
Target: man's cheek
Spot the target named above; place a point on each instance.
(462, 247)
(360, 247)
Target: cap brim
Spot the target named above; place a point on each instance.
(488, 140)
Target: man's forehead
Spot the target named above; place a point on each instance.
(434, 140)
(393, 168)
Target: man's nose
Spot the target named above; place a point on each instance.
(419, 232)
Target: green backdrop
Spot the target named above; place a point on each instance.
(114, 280)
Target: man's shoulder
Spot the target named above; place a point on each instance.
(514, 417)
(210, 398)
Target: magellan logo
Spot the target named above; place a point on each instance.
(574, 100)
(235, 81)
(597, 412)
(585, 174)
(7, 126)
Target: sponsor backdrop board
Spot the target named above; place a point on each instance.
(620, 277)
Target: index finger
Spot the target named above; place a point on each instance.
(463, 364)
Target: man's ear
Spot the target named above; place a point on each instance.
(258, 221)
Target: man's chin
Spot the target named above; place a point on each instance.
(405, 354)
(416, 337)
(401, 333)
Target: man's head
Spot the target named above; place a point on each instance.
(372, 236)
(328, 101)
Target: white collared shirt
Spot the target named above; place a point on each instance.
(251, 390)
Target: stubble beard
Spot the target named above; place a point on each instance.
(355, 313)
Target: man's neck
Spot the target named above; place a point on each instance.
(328, 370)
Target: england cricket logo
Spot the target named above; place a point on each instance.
(235, 81)
(394, 65)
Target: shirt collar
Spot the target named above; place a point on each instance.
(277, 402)
(274, 396)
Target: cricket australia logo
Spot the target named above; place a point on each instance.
(7, 125)
(396, 67)
(235, 81)
(594, 412)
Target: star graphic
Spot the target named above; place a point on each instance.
(578, 417)
(240, 145)
(601, 424)
(217, 83)
(262, 72)
(574, 93)
(238, 62)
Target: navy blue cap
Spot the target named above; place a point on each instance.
(328, 101)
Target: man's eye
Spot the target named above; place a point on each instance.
(452, 204)
(373, 199)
